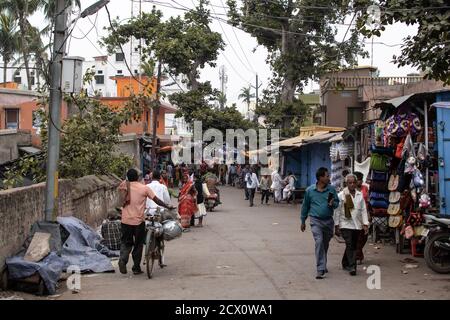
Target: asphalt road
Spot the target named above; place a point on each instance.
(260, 253)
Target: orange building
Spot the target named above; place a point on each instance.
(126, 86)
(18, 109)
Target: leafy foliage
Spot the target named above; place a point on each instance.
(429, 49)
(88, 141)
(301, 44)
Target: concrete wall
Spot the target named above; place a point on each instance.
(89, 198)
(10, 140)
(337, 103)
(129, 144)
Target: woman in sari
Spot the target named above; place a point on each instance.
(187, 201)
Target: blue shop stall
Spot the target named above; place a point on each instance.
(312, 149)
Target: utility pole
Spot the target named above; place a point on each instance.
(155, 114)
(59, 48)
(257, 92)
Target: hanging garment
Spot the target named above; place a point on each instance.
(363, 167)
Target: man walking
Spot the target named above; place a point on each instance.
(135, 195)
(252, 182)
(277, 186)
(244, 173)
(319, 203)
(264, 185)
(349, 219)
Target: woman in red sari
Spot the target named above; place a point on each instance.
(187, 201)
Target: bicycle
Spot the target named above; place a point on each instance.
(154, 243)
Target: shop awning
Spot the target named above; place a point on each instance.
(443, 104)
(324, 138)
(396, 102)
(292, 142)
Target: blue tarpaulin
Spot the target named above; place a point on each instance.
(82, 248)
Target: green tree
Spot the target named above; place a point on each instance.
(185, 45)
(429, 49)
(246, 95)
(222, 100)
(21, 10)
(301, 45)
(9, 39)
(89, 141)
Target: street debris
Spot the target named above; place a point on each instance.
(408, 260)
(420, 291)
(275, 223)
(411, 266)
(223, 267)
(405, 272)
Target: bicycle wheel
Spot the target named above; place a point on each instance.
(161, 254)
(149, 253)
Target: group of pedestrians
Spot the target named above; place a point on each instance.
(342, 214)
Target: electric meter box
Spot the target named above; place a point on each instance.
(72, 74)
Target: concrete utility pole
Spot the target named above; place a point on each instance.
(59, 48)
(155, 115)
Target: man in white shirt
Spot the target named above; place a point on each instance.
(349, 218)
(160, 190)
(277, 186)
(252, 182)
(290, 186)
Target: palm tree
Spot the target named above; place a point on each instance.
(222, 99)
(9, 40)
(21, 10)
(246, 95)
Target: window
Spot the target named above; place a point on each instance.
(12, 118)
(100, 72)
(17, 77)
(136, 49)
(119, 73)
(120, 56)
(32, 80)
(136, 71)
(99, 79)
(354, 115)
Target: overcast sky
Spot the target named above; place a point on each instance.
(238, 58)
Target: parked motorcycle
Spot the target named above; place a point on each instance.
(211, 197)
(437, 245)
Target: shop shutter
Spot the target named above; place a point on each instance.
(443, 132)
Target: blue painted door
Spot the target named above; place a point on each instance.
(293, 164)
(443, 136)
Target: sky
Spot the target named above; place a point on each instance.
(242, 57)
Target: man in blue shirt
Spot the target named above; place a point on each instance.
(319, 203)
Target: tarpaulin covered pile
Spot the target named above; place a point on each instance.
(82, 248)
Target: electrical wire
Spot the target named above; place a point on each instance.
(121, 49)
(93, 27)
(242, 49)
(229, 42)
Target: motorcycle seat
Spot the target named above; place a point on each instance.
(441, 220)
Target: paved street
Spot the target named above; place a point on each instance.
(259, 253)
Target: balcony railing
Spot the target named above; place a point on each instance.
(354, 82)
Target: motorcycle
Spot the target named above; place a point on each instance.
(211, 198)
(437, 243)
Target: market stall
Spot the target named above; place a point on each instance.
(405, 165)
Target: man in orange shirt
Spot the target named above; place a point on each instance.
(133, 219)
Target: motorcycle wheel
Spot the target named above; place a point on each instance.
(437, 259)
(150, 254)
